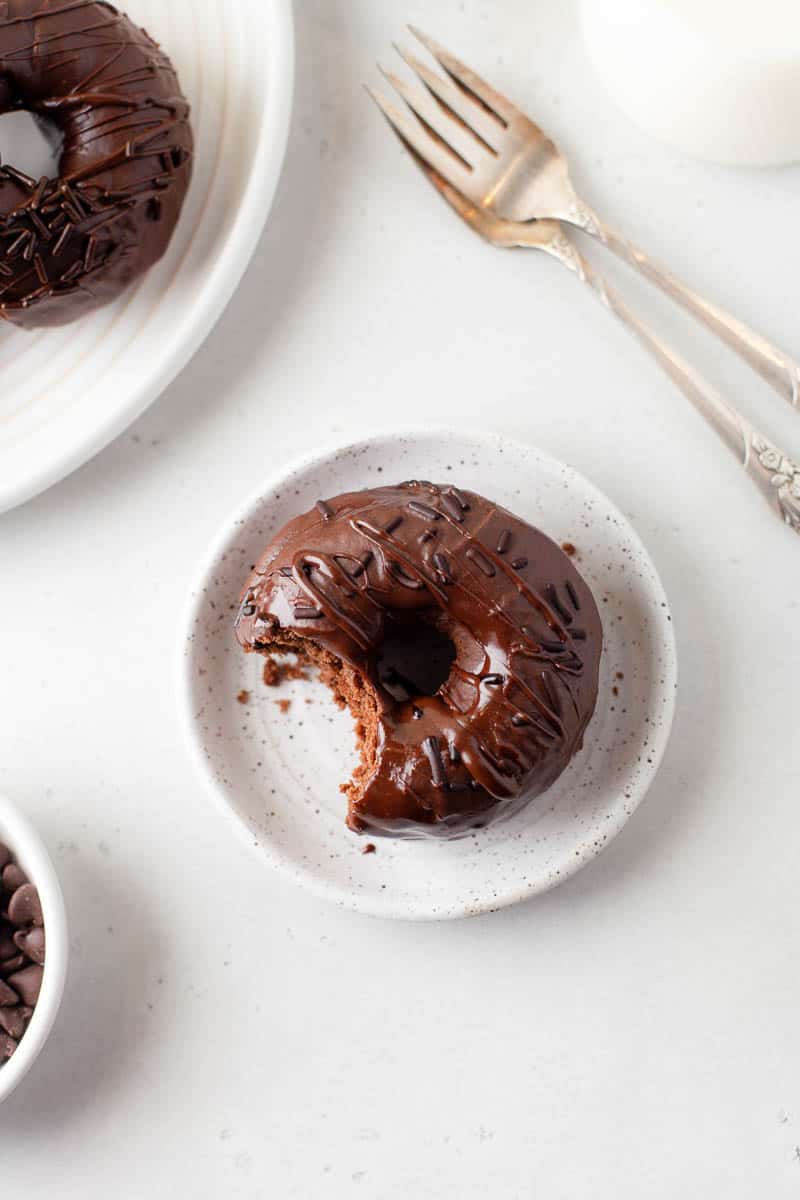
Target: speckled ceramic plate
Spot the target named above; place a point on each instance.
(67, 392)
(276, 766)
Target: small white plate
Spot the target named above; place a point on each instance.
(67, 392)
(277, 773)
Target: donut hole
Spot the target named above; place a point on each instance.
(414, 660)
(30, 144)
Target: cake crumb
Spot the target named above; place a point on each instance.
(244, 696)
(276, 672)
(615, 690)
(620, 675)
(283, 705)
(370, 848)
(569, 549)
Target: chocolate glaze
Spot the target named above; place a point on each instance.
(72, 244)
(523, 685)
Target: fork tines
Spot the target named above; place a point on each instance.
(459, 116)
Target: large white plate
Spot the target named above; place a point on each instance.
(277, 773)
(67, 392)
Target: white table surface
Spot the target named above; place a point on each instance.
(633, 1033)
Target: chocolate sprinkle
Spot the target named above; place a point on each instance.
(573, 596)
(494, 679)
(452, 507)
(306, 613)
(443, 567)
(434, 756)
(520, 719)
(460, 498)
(395, 523)
(402, 577)
(520, 563)
(555, 602)
(20, 177)
(481, 561)
(552, 692)
(578, 634)
(363, 563)
(424, 510)
(64, 237)
(504, 541)
(554, 647)
(324, 509)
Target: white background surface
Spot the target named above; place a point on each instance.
(633, 1033)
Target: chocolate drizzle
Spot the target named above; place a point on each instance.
(513, 709)
(72, 244)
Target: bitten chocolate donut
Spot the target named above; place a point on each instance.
(372, 586)
(103, 87)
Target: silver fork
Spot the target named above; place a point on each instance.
(775, 474)
(500, 159)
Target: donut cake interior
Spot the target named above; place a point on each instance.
(350, 689)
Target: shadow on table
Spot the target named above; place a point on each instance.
(661, 826)
(109, 1020)
(301, 225)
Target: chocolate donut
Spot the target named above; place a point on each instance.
(106, 91)
(416, 562)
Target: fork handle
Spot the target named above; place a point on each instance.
(778, 368)
(775, 474)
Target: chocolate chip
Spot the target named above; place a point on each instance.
(22, 951)
(7, 1047)
(13, 877)
(31, 943)
(14, 1021)
(7, 947)
(27, 983)
(24, 907)
(7, 995)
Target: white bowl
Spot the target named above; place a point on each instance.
(67, 392)
(25, 844)
(277, 775)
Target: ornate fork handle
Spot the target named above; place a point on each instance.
(776, 475)
(778, 368)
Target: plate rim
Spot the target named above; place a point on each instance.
(341, 896)
(220, 284)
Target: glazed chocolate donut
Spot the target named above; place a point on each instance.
(103, 87)
(416, 562)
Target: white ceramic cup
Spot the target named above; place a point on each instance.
(29, 852)
(718, 79)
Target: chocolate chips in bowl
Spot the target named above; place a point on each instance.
(32, 975)
(22, 950)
